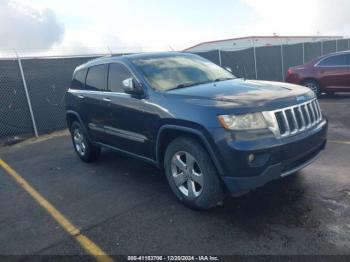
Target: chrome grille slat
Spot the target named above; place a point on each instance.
(318, 113)
(312, 109)
(303, 126)
(308, 115)
(298, 118)
(319, 110)
(284, 117)
(294, 118)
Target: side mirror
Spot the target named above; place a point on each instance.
(228, 69)
(132, 87)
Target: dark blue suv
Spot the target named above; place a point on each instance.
(213, 133)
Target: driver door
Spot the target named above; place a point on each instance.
(128, 121)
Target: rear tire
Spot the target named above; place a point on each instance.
(82, 146)
(314, 86)
(191, 174)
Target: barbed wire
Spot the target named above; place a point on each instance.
(83, 51)
(76, 51)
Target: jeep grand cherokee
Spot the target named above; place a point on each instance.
(212, 133)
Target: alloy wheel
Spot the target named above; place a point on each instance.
(187, 174)
(312, 86)
(79, 142)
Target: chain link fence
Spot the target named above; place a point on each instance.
(32, 103)
(14, 112)
(272, 62)
(46, 81)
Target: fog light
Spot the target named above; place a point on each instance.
(251, 158)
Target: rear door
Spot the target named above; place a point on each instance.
(96, 114)
(334, 72)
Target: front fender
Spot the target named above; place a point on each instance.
(199, 134)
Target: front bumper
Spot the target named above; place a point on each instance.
(273, 172)
(283, 158)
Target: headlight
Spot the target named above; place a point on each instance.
(243, 122)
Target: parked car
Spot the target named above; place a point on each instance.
(213, 133)
(326, 74)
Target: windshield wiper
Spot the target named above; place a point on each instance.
(223, 79)
(189, 84)
(200, 83)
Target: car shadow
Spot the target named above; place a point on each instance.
(280, 202)
(335, 96)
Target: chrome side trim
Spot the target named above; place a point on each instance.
(95, 92)
(125, 134)
(118, 132)
(95, 127)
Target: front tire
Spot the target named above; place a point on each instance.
(83, 147)
(191, 174)
(314, 86)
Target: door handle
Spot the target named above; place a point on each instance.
(81, 96)
(106, 99)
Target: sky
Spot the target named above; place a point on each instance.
(98, 26)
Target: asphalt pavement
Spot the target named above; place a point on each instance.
(125, 206)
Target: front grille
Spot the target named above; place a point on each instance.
(295, 119)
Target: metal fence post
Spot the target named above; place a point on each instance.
(282, 62)
(303, 52)
(255, 66)
(336, 45)
(220, 61)
(321, 47)
(27, 95)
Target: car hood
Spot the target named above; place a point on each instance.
(251, 93)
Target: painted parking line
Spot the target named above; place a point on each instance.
(339, 142)
(84, 241)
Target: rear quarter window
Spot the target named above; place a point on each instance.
(96, 78)
(78, 80)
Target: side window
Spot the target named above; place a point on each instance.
(117, 73)
(96, 78)
(337, 60)
(78, 80)
(348, 59)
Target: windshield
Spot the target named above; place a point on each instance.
(165, 73)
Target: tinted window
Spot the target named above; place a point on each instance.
(117, 73)
(337, 60)
(79, 79)
(96, 77)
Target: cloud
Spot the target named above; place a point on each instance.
(129, 26)
(22, 27)
(299, 17)
(334, 16)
